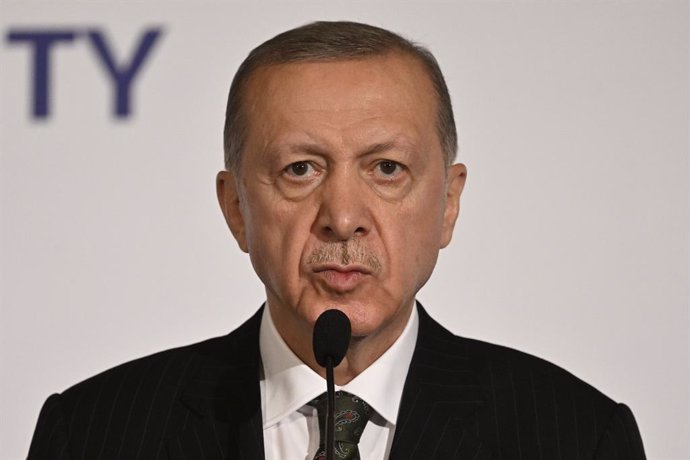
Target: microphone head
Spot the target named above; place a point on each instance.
(331, 337)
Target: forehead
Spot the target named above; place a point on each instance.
(390, 84)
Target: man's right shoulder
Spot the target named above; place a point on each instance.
(137, 404)
(170, 368)
(145, 374)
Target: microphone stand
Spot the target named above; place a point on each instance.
(330, 410)
(330, 340)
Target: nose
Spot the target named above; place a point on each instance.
(343, 209)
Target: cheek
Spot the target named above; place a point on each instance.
(418, 237)
(276, 237)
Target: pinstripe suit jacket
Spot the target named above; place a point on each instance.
(463, 399)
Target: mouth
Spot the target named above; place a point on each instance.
(341, 278)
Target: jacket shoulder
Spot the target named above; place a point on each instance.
(164, 368)
(504, 368)
(129, 410)
(525, 403)
(508, 366)
(167, 370)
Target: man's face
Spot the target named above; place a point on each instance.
(342, 200)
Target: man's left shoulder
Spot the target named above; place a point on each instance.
(515, 401)
(500, 367)
(505, 368)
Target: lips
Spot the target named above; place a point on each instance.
(340, 278)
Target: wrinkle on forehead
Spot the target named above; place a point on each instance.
(340, 89)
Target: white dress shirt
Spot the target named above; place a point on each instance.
(290, 426)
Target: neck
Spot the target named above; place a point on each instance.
(361, 354)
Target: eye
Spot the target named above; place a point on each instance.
(389, 168)
(300, 169)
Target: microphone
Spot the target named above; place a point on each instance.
(330, 341)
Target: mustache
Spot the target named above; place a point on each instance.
(345, 253)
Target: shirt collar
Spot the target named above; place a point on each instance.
(289, 384)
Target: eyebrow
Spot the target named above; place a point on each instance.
(402, 145)
(300, 145)
(377, 147)
(381, 147)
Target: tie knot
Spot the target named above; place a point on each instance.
(351, 416)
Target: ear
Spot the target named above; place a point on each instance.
(227, 189)
(455, 182)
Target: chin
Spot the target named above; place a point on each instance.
(364, 319)
(367, 315)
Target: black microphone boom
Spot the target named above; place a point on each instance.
(331, 338)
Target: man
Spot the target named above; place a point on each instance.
(341, 187)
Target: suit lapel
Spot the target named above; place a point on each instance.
(223, 400)
(437, 417)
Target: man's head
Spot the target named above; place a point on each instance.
(331, 41)
(344, 193)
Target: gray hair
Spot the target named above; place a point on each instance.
(331, 41)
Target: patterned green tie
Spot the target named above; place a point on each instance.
(351, 416)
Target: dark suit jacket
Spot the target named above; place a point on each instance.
(463, 399)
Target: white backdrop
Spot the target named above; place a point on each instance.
(573, 242)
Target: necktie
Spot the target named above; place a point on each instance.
(351, 416)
